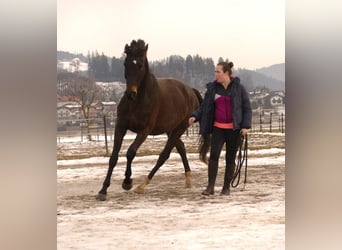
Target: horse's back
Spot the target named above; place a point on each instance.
(177, 102)
(176, 90)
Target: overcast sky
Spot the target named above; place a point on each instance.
(248, 32)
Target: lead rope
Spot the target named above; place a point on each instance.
(241, 160)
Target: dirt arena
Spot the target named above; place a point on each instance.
(169, 216)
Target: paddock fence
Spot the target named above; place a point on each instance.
(101, 129)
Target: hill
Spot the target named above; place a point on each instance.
(253, 79)
(272, 77)
(67, 56)
(276, 71)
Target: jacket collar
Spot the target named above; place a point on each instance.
(234, 80)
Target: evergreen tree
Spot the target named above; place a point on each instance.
(189, 65)
(104, 67)
(117, 69)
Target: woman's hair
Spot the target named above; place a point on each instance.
(227, 66)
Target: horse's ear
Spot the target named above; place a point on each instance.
(146, 47)
(126, 48)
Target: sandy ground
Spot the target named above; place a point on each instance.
(169, 216)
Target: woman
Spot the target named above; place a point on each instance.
(226, 114)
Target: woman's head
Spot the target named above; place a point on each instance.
(223, 71)
(226, 67)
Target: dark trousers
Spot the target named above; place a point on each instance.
(219, 137)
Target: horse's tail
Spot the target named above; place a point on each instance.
(204, 140)
(204, 147)
(198, 94)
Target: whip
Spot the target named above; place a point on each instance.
(242, 159)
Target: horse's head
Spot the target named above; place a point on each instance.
(135, 66)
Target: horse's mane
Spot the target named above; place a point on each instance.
(137, 48)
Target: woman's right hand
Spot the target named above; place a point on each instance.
(192, 120)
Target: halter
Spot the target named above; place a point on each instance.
(241, 160)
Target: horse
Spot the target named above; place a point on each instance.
(150, 106)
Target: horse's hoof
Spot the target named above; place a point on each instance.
(188, 179)
(139, 190)
(101, 197)
(127, 186)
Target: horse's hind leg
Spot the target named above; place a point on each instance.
(164, 155)
(181, 150)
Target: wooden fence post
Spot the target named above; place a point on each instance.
(105, 132)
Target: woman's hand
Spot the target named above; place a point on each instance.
(244, 131)
(192, 120)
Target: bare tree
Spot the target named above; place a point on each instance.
(76, 64)
(86, 93)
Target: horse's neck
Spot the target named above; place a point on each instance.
(149, 79)
(148, 90)
(148, 73)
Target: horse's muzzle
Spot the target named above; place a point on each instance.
(131, 95)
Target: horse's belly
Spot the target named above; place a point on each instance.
(140, 127)
(153, 132)
(158, 132)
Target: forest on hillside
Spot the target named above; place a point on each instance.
(196, 71)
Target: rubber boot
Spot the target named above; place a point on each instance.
(212, 172)
(228, 176)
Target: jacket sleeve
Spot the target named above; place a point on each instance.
(246, 109)
(198, 112)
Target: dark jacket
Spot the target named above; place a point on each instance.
(242, 112)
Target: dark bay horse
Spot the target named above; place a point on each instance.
(150, 106)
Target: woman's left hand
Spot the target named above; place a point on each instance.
(244, 131)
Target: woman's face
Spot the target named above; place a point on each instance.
(220, 75)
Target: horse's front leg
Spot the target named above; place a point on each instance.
(131, 152)
(119, 134)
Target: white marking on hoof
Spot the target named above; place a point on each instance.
(188, 179)
(141, 188)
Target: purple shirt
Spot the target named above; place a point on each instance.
(223, 109)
